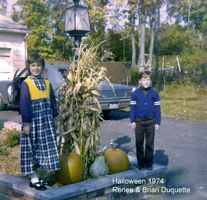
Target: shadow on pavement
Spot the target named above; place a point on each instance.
(121, 143)
(13, 108)
(161, 158)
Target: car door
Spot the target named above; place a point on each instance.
(13, 90)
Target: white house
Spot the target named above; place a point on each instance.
(13, 47)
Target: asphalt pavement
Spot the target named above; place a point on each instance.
(180, 145)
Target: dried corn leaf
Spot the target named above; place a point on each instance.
(67, 132)
(77, 149)
(95, 109)
(95, 93)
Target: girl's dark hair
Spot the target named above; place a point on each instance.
(34, 58)
(144, 74)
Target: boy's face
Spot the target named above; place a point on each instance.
(145, 81)
(35, 69)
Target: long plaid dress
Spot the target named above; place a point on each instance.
(39, 148)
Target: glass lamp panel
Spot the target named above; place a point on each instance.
(69, 21)
(82, 19)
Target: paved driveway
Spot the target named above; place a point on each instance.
(180, 145)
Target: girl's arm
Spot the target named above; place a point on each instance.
(25, 104)
(53, 102)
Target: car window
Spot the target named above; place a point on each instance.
(56, 75)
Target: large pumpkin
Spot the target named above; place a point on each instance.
(72, 169)
(117, 160)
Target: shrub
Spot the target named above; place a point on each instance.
(11, 138)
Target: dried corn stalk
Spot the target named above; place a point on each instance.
(79, 107)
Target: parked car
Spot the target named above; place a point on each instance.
(10, 90)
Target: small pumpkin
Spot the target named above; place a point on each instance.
(72, 169)
(116, 159)
(98, 168)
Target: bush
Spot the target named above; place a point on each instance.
(2, 150)
(11, 138)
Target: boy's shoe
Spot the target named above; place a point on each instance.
(149, 168)
(38, 185)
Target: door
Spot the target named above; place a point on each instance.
(5, 64)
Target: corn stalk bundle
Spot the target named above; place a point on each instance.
(79, 107)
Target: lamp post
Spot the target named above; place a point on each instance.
(77, 22)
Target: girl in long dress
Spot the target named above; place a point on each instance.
(38, 108)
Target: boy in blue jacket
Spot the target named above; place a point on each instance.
(145, 116)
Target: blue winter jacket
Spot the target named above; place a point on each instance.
(144, 107)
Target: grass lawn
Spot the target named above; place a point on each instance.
(184, 102)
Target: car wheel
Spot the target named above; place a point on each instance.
(2, 105)
(106, 112)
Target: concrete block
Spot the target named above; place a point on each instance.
(157, 169)
(95, 184)
(82, 197)
(4, 197)
(64, 192)
(6, 191)
(105, 197)
(10, 125)
(98, 188)
(7, 180)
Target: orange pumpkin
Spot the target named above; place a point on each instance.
(117, 160)
(72, 169)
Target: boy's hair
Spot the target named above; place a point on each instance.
(144, 74)
(35, 58)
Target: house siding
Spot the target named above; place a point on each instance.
(15, 42)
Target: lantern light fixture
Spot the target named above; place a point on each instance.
(77, 22)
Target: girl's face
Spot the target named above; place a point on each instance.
(35, 69)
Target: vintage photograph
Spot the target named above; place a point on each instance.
(103, 99)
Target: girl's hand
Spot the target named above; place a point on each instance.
(26, 129)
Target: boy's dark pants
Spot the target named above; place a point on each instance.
(145, 129)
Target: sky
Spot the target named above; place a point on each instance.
(9, 7)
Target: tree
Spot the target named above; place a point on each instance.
(142, 24)
(114, 44)
(192, 12)
(97, 12)
(198, 16)
(35, 15)
(44, 19)
(175, 40)
(60, 43)
(152, 20)
(132, 24)
(3, 6)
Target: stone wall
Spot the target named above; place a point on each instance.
(114, 186)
